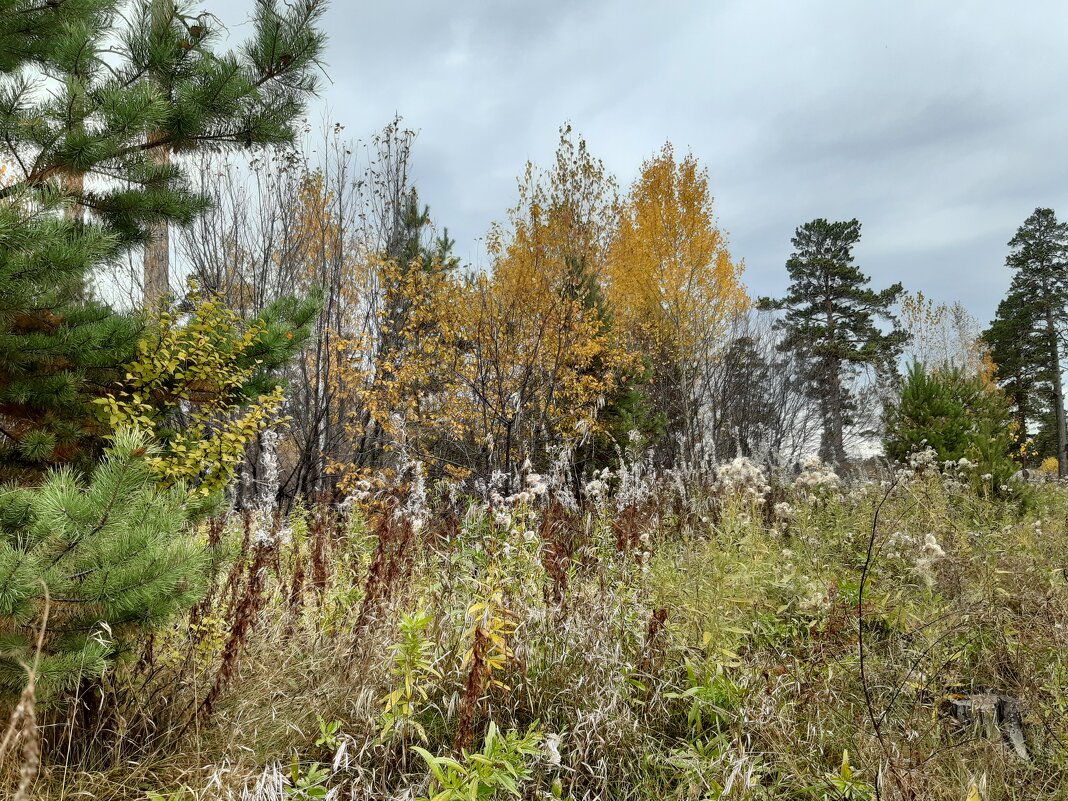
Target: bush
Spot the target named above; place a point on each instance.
(959, 416)
(205, 384)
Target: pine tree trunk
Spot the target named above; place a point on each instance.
(75, 187)
(158, 253)
(834, 422)
(157, 249)
(1058, 395)
(834, 434)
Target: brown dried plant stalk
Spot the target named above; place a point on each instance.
(23, 723)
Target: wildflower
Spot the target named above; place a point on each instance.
(520, 498)
(931, 546)
(536, 484)
(594, 489)
(552, 748)
(816, 477)
(263, 536)
(741, 477)
(416, 508)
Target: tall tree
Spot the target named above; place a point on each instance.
(830, 319)
(1015, 352)
(157, 255)
(82, 114)
(544, 362)
(1027, 336)
(674, 286)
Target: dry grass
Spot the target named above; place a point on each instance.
(709, 649)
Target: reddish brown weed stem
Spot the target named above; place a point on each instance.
(216, 528)
(652, 652)
(319, 542)
(476, 676)
(242, 621)
(391, 564)
(558, 533)
(629, 525)
(296, 585)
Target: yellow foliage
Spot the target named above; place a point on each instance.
(493, 363)
(402, 374)
(496, 623)
(1049, 465)
(542, 355)
(583, 290)
(671, 279)
(192, 369)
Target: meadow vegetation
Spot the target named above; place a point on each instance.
(333, 515)
(723, 633)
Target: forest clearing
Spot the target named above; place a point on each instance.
(298, 503)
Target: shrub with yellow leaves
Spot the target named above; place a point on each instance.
(188, 388)
(1049, 466)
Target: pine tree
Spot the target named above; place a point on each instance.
(90, 91)
(1016, 352)
(831, 321)
(1027, 336)
(959, 416)
(115, 553)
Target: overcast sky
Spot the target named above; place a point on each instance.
(939, 125)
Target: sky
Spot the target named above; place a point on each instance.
(939, 125)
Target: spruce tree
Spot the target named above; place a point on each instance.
(830, 320)
(90, 91)
(1027, 336)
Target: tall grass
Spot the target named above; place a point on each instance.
(638, 642)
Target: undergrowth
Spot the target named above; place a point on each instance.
(759, 637)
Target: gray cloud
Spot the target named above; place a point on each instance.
(939, 125)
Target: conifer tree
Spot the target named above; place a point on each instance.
(957, 415)
(90, 90)
(1027, 336)
(831, 321)
(114, 553)
(1015, 350)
